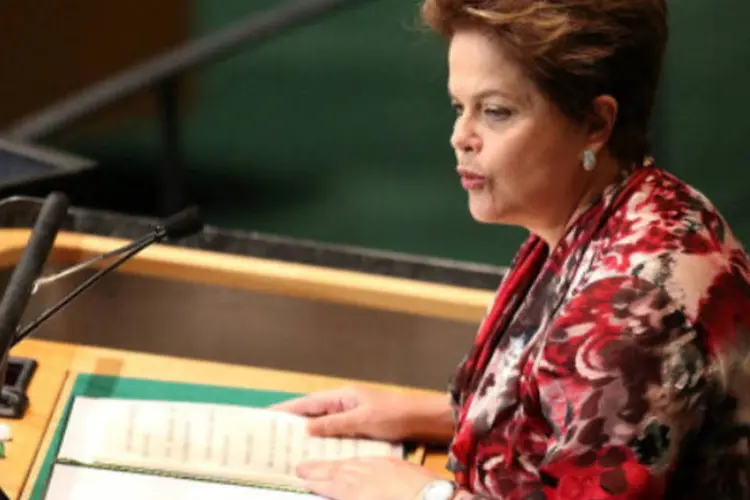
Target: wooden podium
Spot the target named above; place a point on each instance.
(59, 362)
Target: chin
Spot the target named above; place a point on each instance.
(484, 212)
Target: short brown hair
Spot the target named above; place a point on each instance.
(575, 50)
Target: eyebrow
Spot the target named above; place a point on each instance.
(489, 93)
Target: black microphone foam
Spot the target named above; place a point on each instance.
(29, 268)
(183, 223)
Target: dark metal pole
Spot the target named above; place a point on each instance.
(173, 195)
(148, 74)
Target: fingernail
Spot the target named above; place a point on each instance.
(314, 428)
(304, 469)
(312, 470)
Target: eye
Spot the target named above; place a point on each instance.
(497, 113)
(457, 108)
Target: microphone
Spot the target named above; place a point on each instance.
(20, 285)
(25, 281)
(177, 226)
(183, 223)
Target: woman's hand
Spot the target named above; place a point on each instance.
(365, 479)
(375, 414)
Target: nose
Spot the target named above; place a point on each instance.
(464, 137)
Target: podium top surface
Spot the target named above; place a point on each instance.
(59, 363)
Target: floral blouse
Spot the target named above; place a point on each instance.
(614, 367)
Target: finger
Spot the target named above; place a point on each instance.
(345, 424)
(335, 480)
(294, 405)
(325, 488)
(317, 470)
(318, 403)
(349, 479)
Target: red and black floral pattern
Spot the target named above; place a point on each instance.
(613, 367)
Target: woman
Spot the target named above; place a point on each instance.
(608, 364)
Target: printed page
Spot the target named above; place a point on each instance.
(69, 482)
(225, 441)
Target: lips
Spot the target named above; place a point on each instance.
(471, 180)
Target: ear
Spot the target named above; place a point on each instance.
(601, 121)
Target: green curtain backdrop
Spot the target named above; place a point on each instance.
(338, 132)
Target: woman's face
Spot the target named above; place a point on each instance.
(518, 156)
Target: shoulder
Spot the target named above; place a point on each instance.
(663, 215)
(669, 234)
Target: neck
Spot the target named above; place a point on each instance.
(593, 184)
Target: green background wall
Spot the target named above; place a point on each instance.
(338, 131)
